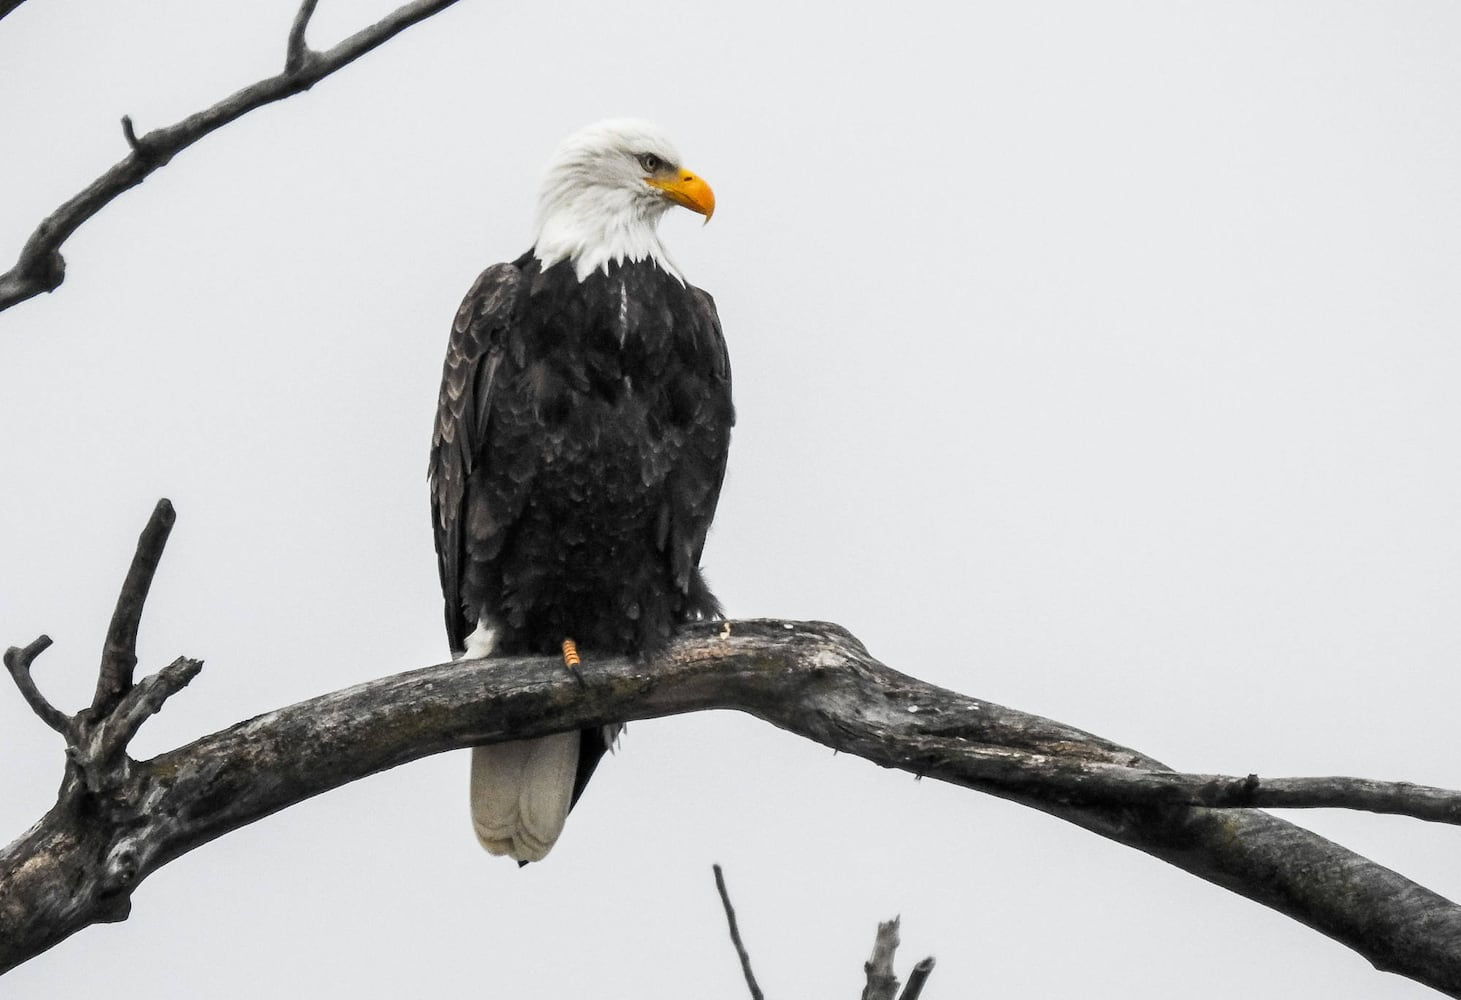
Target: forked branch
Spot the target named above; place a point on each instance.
(97, 739)
(882, 983)
(118, 820)
(41, 268)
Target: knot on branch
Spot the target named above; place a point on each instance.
(47, 271)
(38, 270)
(149, 151)
(123, 866)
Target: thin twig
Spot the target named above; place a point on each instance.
(18, 661)
(882, 983)
(40, 267)
(735, 933)
(1401, 798)
(298, 53)
(130, 134)
(916, 979)
(100, 754)
(147, 698)
(119, 654)
(1078, 780)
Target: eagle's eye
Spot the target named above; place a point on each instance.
(650, 162)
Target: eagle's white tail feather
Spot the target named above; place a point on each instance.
(521, 792)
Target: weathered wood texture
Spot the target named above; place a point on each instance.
(79, 864)
(882, 981)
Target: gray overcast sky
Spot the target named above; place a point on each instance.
(1095, 359)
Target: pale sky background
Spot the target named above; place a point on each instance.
(1098, 359)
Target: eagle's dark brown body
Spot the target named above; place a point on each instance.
(580, 444)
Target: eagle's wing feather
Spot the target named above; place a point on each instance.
(698, 481)
(473, 357)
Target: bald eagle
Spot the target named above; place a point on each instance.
(580, 443)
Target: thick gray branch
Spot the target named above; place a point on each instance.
(40, 267)
(809, 678)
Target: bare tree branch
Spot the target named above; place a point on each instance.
(119, 654)
(810, 678)
(735, 935)
(18, 661)
(1398, 798)
(298, 53)
(102, 750)
(129, 132)
(916, 979)
(1085, 780)
(107, 833)
(40, 267)
(882, 983)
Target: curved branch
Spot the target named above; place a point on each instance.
(116, 820)
(812, 679)
(18, 660)
(297, 53)
(41, 268)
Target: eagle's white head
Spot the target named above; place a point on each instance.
(604, 192)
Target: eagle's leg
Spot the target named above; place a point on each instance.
(571, 660)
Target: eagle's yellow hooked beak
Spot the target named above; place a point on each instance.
(684, 188)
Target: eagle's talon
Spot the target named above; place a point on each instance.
(571, 661)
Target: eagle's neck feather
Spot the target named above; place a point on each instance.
(593, 227)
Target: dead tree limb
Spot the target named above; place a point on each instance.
(735, 935)
(40, 267)
(18, 660)
(882, 981)
(914, 987)
(119, 655)
(118, 820)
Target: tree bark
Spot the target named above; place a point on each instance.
(79, 864)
